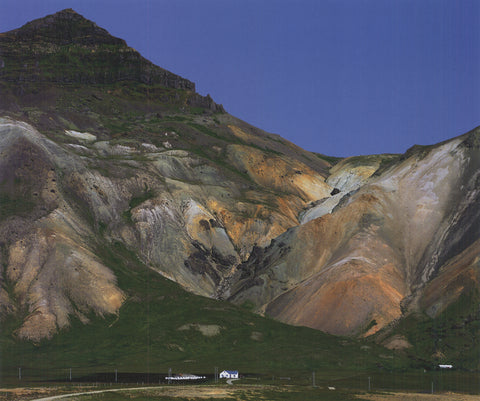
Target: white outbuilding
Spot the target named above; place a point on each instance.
(229, 374)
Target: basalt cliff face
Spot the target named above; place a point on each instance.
(124, 153)
(65, 47)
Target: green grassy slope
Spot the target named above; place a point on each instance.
(453, 337)
(145, 337)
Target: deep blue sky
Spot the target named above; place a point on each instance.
(340, 77)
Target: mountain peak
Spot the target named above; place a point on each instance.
(66, 11)
(65, 47)
(63, 28)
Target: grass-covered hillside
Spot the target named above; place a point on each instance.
(161, 326)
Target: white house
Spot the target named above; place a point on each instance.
(445, 366)
(229, 374)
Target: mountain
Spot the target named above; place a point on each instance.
(148, 163)
(65, 47)
(106, 159)
(405, 241)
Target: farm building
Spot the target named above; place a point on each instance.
(185, 376)
(229, 374)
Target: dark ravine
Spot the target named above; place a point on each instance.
(101, 148)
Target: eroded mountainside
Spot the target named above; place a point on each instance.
(381, 251)
(156, 167)
(185, 216)
(100, 147)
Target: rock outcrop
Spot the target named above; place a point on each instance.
(50, 268)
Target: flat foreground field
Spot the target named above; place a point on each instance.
(420, 397)
(220, 393)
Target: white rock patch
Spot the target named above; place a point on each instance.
(150, 148)
(322, 209)
(81, 135)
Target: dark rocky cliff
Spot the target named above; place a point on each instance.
(67, 48)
